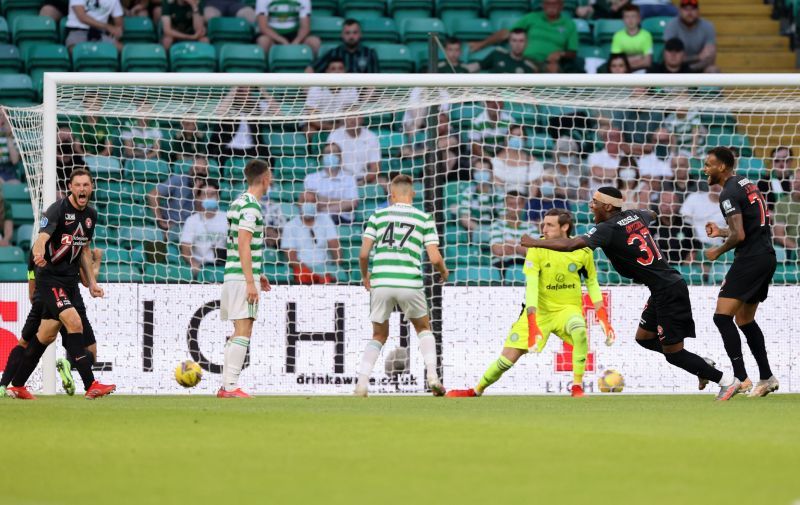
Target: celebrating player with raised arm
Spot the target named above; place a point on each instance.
(553, 304)
(667, 320)
(243, 263)
(61, 250)
(399, 234)
(747, 282)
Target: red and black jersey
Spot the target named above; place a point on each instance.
(740, 196)
(627, 242)
(70, 229)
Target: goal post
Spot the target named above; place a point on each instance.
(550, 139)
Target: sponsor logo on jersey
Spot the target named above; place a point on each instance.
(744, 182)
(88, 222)
(66, 239)
(556, 287)
(627, 220)
(43, 222)
(727, 205)
(591, 232)
(69, 217)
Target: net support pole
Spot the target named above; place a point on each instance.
(49, 184)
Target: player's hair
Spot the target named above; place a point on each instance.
(452, 40)
(619, 56)
(255, 169)
(335, 59)
(402, 180)
(351, 22)
(781, 148)
(77, 172)
(631, 8)
(725, 155)
(517, 31)
(514, 194)
(564, 217)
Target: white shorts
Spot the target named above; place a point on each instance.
(382, 302)
(234, 305)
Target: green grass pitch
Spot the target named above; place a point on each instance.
(615, 449)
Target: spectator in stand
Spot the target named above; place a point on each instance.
(141, 139)
(508, 61)
(603, 164)
(479, 206)
(173, 201)
(514, 167)
(544, 197)
(489, 129)
(683, 132)
(92, 135)
(312, 244)
(94, 21)
(650, 165)
(228, 8)
(613, 9)
(552, 37)
(336, 192)
(680, 184)
(779, 181)
(6, 224)
(182, 21)
(507, 232)
(618, 64)
(9, 154)
(674, 236)
(242, 138)
(698, 36)
(633, 41)
(189, 141)
(452, 58)
(205, 232)
(566, 169)
(787, 218)
(357, 58)
(274, 221)
(674, 57)
(285, 22)
(324, 100)
(635, 191)
(67, 159)
(55, 9)
(702, 207)
(360, 149)
(139, 8)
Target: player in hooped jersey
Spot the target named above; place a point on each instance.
(667, 320)
(61, 250)
(747, 282)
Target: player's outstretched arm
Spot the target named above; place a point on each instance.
(363, 261)
(735, 235)
(556, 244)
(437, 261)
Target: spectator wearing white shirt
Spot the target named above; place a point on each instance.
(700, 208)
(336, 191)
(361, 150)
(99, 20)
(513, 166)
(603, 164)
(204, 233)
(312, 244)
(285, 22)
(324, 100)
(141, 139)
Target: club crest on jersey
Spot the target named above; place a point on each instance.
(88, 222)
(249, 217)
(572, 267)
(43, 222)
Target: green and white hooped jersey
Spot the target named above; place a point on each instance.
(244, 214)
(400, 232)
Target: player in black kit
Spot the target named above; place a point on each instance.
(667, 320)
(60, 251)
(747, 282)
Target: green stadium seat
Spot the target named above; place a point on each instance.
(417, 30)
(286, 144)
(15, 192)
(211, 274)
(31, 29)
(138, 29)
(158, 272)
(223, 29)
(144, 58)
(593, 52)
(123, 215)
(394, 58)
(325, 7)
(23, 235)
(656, 27)
(106, 191)
(95, 57)
(461, 254)
(734, 140)
(290, 168)
(113, 255)
(362, 9)
(21, 213)
(242, 58)
(410, 5)
(290, 58)
(470, 29)
(693, 274)
(278, 273)
(476, 275)
(16, 87)
(514, 276)
(230, 192)
(192, 57)
(503, 20)
(14, 272)
(604, 30)
(10, 59)
(106, 166)
(391, 142)
(129, 236)
(47, 57)
(752, 168)
(20, 5)
(379, 30)
(12, 254)
(446, 9)
(787, 274)
(400, 16)
(490, 6)
(146, 170)
(120, 273)
(4, 33)
(585, 31)
(327, 28)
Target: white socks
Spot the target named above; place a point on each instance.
(725, 381)
(427, 347)
(235, 352)
(368, 359)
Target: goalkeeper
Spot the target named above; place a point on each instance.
(553, 304)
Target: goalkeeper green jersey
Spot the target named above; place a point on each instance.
(244, 214)
(554, 279)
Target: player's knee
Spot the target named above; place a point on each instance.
(723, 321)
(743, 320)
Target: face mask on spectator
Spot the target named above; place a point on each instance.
(514, 142)
(210, 204)
(565, 159)
(330, 160)
(308, 209)
(548, 190)
(482, 176)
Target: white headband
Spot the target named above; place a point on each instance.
(610, 200)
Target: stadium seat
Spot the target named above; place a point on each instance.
(394, 58)
(211, 274)
(16, 87)
(327, 28)
(20, 5)
(4, 34)
(21, 213)
(656, 27)
(585, 31)
(224, 29)
(490, 6)
(31, 29)
(693, 274)
(10, 59)
(15, 192)
(325, 7)
(470, 29)
(122, 215)
(144, 58)
(116, 255)
(95, 57)
(476, 275)
(14, 272)
(396, 6)
(362, 9)
(461, 254)
(448, 9)
(12, 254)
(391, 142)
(504, 20)
(277, 273)
(104, 166)
(106, 191)
(514, 276)
(158, 272)
(752, 168)
(192, 57)
(242, 58)
(417, 30)
(120, 273)
(289, 58)
(290, 168)
(593, 52)
(146, 170)
(47, 57)
(604, 30)
(379, 30)
(138, 29)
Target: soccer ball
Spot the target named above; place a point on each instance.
(611, 382)
(188, 374)
(397, 362)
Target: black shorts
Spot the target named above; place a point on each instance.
(668, 313)
(749, 278)
(34, 319)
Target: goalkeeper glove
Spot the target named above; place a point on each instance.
(602, 316)
(534, 333)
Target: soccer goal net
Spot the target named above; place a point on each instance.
(489, 156)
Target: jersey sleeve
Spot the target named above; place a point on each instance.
(598, 236)
(188, 231)
(430, 237)
(592, 286)
(616, 42)
(117, 11)
(531, 271)
(261, 7)
(371, 229)
(729, 203)
(49, 220)
(305, 8)
(249, 217)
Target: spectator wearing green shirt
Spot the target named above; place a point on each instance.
(552, 37)
(452, 63)
(633, 41)
(285, 22)
(509, 61)
(182, 21)
(480, 205)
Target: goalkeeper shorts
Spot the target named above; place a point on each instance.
(561, 323)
